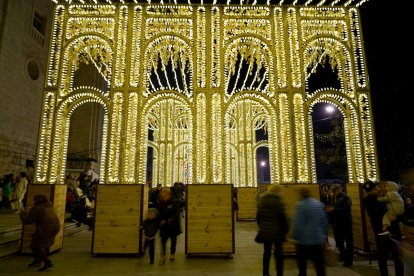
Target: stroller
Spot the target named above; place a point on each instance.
(82, 212)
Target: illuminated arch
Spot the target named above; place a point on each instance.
(352, 133)
(64, 112)
(171, 118)
(257, 56)
(319, 49)
(168, 51)
(94, 48)
(245, 113)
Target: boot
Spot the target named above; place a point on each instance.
(35, 263)
(48, 264)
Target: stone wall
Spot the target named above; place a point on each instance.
(23, 59)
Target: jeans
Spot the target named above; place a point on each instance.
(385, 247)
(345, 243)
(267, 254)
(164, 244)
(150, 244)
(312, 252)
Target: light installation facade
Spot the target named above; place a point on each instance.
(195, 82)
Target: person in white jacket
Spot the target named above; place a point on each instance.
(19, 191)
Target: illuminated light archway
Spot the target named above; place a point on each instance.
(61, 129)
(267, 48)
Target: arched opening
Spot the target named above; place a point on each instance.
(169, 151)
(86, 125)
(329, 144)
(247, 124)
(322, 75)
(263, 165)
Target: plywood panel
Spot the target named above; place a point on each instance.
(118, 214)
(246, 199)
(59, 205)
(209, 219)
(359, 225)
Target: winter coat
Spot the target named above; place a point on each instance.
(150, 227)
(47, 225)
(170, 213)
(20, 188)
(271, 218)
(342, 211)
(310, 222)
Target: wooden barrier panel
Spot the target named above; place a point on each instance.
(209, 219)
(246, 199)
(57, 195)
(291, 197)
(359, 228)
(119, 211)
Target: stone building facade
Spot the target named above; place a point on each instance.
(24, 41)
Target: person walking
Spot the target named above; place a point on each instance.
(169, 218)
(341, 209)
(47, 227)
(150, 227)
(385, 244)
(273, 226)
(309, 229)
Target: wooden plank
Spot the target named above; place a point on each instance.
(209, 219)
(118, 215)
(247, 201)
(359, 217)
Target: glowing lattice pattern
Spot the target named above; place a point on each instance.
(194, 82)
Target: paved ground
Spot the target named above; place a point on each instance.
(75, 259)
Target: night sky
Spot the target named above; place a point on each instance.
(389, 61)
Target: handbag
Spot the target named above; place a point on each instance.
(259, 237)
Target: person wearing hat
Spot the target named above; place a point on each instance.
(341, 210)
(385, 244)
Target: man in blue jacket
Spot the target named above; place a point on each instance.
(309, 229)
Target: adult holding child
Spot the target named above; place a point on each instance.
(385, 244)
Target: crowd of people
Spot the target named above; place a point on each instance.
(385, 206)
(13, 192)
(309, 227)
(80, 197)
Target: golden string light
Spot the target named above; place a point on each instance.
(195, 82)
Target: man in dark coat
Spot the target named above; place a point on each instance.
(273, 226)
(341, 209)
(385, 245)
(47, 227)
